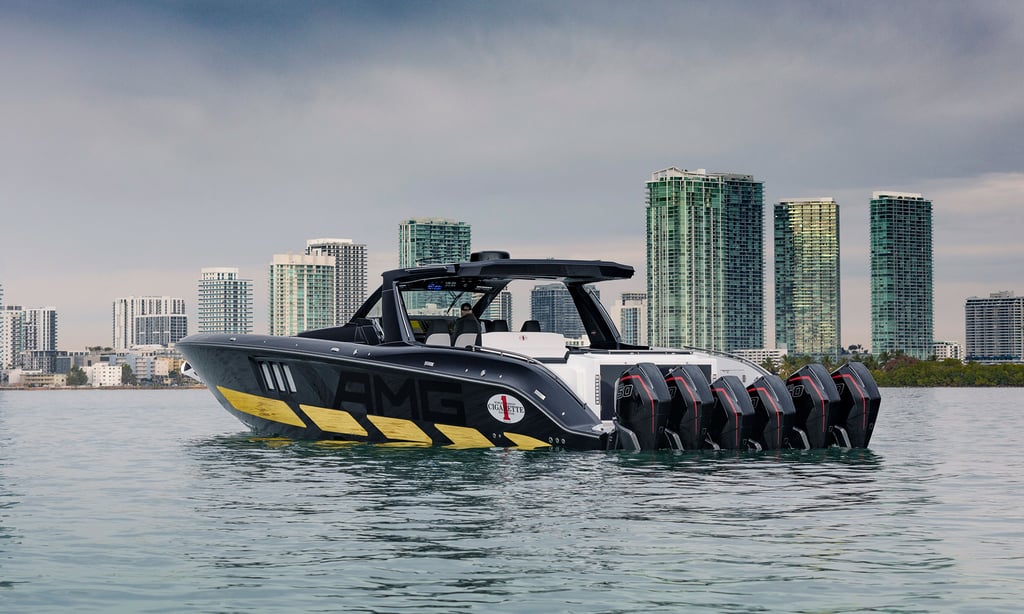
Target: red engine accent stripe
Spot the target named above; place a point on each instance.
(649, 395)
(824, 401)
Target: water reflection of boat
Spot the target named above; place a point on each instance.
(395, 373)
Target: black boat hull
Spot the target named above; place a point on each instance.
(313, 389)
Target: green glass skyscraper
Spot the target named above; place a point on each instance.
(301, 293)
(432, 241)
(901, 274)
(705, 260)
(807, 276)
(423, 241)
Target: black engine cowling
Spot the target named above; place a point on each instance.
(859, 400)
(642, 408)
(680, 410)
(732, 419)
(692, 404)
(815, 398)
(774, 413)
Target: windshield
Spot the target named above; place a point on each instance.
(438, 303)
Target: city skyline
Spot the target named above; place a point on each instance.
(146, 142)
(629, 287)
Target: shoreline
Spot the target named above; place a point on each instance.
(74, 388)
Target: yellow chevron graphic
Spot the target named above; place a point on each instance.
(399, 429)
(464, 437)
(333, 420)
(261, 407)
(525, 441)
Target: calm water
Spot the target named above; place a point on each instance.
(159, 502)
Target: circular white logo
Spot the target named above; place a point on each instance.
(506, 409)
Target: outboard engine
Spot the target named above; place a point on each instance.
(692, 404)
(815, 398)
(858, 404)
(642, 407)
(774, 413)
(732, 418)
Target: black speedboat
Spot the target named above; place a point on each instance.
(394, 373)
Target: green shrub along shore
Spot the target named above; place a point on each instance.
(899, 370)
(889, 370)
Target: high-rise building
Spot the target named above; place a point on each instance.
(423, 241)
(631, 314)
(12, 336)
(500, 308)
(705, 260)
(40, 329)
(995, 328)
(301, 293)
(552, 306)
(901, 274)
(28, 338)
(807, 277)
(349, 273)
(163, 329)
(432, 241)
(148, 320)
(225, 301)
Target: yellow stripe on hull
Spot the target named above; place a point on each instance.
(525, 441)
(261, 407)
(399, 430)
(334, 420)
(464, 437)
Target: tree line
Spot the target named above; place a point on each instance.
(77, 377)
(899, 370)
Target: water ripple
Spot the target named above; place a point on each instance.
(154, 502)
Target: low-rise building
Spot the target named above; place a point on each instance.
(760, 355)
(944, 350)
(102, 375)
(36, 379)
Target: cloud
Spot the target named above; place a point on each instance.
(209, 133)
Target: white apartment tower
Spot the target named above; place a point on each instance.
(225, 301)
(301, 293)
(349, 274)
(148, 320)
(26, 330)
(995, 328)
(41, 329)
(631, 314)
(12, 328)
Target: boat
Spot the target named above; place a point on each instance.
(395, 374)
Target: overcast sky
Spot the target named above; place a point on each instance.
(140, 142)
